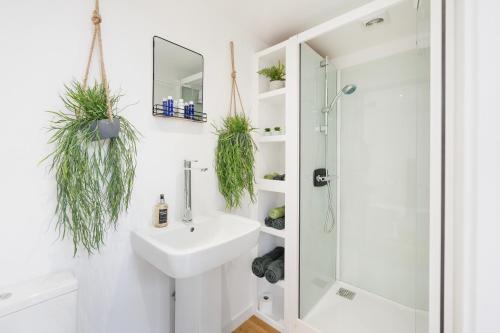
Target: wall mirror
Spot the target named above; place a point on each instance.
(177, 82)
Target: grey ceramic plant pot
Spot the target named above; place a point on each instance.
(106, 128)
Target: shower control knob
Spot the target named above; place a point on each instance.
(323, 178)
(320, 177)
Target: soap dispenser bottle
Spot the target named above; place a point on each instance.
(161, 213)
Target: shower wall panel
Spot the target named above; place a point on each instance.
(384, 177)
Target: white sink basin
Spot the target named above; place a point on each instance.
(184, 251)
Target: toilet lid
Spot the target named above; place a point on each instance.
(20, 296)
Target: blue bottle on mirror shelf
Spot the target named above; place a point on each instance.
(180, 106)
(170, 106)
(165, 106)
(186, 111)
(191, 109)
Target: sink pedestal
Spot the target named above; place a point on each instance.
(194, 255)
(198, 303)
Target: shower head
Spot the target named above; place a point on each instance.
(347, 90)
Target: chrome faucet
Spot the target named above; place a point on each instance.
(188, 214)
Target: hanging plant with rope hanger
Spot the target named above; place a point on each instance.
(234, 155)
(94, 158)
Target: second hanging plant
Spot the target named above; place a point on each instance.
(234, 156)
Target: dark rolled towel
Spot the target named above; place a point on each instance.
(278, 223)
(279, 177)
(276, 270)
(260, 264)
(268, 221)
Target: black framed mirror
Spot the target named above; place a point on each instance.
(177, 81)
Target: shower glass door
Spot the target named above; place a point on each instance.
(318, 234)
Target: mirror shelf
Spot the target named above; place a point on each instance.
(197, 117)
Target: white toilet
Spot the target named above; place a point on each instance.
(44, 305)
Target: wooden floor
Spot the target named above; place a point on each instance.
(255, 325)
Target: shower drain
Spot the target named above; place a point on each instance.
(346, 293)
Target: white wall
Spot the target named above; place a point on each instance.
(44, 45)
(384, 177)
(476, 159)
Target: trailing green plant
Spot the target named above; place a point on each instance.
(274, 73)
(234, 154)
(234, 159)
(94, 177)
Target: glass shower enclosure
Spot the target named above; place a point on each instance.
(364, 182)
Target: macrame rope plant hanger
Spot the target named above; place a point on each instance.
(235, 92)
(97, 41)
(235, 160)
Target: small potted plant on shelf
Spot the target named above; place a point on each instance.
(277, 130)
(276, 75)
(267, 131)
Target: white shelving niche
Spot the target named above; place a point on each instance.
(270, 112)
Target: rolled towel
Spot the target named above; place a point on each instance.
(260, 264)
(279, 177)
(278, 223)
(277, 212)
(271, 175)
(268, 221)
(276, 270)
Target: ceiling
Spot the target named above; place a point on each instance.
(277, 20)
(400, 22)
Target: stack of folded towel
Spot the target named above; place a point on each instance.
(271, 265)
(276, 218)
